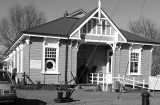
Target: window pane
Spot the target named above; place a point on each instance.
(50, 59)
(134, 62)
(134, 67)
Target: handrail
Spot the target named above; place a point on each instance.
(106, 79)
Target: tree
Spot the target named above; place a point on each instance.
(148, 28)
(19, 18)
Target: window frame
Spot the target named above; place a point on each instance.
(139, 62)
(53, 45)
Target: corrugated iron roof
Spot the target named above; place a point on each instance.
(131, 37)
(60, 27)
(65, 26)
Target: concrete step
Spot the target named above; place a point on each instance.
(93, 87)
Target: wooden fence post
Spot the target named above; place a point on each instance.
(119, 77)
(143, 84)
(98, 79)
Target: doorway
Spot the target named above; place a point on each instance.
(81, 63)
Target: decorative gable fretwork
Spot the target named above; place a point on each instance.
(92, 27)
(97, 26)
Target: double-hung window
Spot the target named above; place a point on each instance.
(134, 62)
(50, 58)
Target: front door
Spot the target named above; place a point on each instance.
(109, 66)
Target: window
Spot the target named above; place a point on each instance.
(50, 56)
(134, 65)
(50, 59)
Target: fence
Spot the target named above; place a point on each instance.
(106, 78)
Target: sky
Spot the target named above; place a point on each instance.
(127, 9)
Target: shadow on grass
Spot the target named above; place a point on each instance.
(22, 101)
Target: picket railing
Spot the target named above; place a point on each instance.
(101, 79)
(132, 81)
(105, 79)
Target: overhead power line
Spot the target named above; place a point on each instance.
(116, 8)
(142, 8)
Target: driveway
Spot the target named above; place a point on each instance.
(32, 97)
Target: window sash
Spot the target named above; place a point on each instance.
(50, 58)
(134, 63)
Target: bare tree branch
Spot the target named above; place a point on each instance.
(148, 28)
(19, 18)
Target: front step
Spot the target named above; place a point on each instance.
(93, 87)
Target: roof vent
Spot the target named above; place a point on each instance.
(65, 14)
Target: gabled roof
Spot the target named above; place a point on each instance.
(81, 20)
(54, 27)
(131, 37)
(65, 26)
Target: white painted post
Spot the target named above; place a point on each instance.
(106, 82)
(123, 79)
(103, 82)
(92, 78)
(143, 84)
(98, 79)
(133, 82)
(119, 77)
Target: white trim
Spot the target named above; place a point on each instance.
(139, 61)
(106, 18)
(143, 43)
(98, 41)
(82, 24)
(50, 45)
(98, 35)
(75, 38)
(91, 26)
(107, 66)
(96, 28)
(18, 58)
(46, 36)
(56, 73)
(14, 59)
(21, 58)
(112, 24)
(15, 43)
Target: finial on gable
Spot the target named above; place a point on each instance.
(99, 4)
(99, 12)
(65, 13)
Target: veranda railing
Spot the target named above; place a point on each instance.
(105, 78)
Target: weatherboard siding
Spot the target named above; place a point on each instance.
(62, 61)
(36, 53)
(74, 63)
(117, 60)
(124, 59)
(122, 67)
(26, 58)
(145, 64)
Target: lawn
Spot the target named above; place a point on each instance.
(81, 97)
